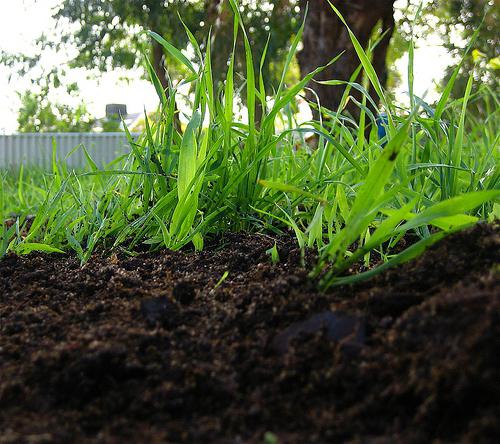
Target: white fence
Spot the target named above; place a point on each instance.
(36, 148)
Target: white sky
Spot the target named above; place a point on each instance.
(22, 21)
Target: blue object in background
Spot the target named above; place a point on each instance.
(382, 122)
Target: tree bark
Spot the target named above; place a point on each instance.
(220, 19)
(325, 36)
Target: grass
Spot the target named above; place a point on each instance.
(436, 171)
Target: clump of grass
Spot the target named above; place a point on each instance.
(435, 172)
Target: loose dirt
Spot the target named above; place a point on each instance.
(148, 349)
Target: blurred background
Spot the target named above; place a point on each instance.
(77, 65)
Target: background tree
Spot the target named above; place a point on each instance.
(38, 113)
(108, 35)
(276, 20)
(325, 37)
(456, 22)
(464, 18)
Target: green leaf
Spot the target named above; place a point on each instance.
(273, 252)
(410, 253)
(361, 212)
(290, 189)
(173, 51)
(188, 156)
(451, 207)
(28, 247)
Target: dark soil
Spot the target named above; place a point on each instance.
(147, 350)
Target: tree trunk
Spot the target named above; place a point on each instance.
(325, 36)
(220, 20)
(159, 67)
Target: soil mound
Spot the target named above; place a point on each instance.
(149, 349)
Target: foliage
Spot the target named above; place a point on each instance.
(108, 34)
(39, 114)
(349, 197)
(112, 125)
(459, 23)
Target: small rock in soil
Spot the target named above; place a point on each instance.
(184, 292)
(158, 310)
(340, 327)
